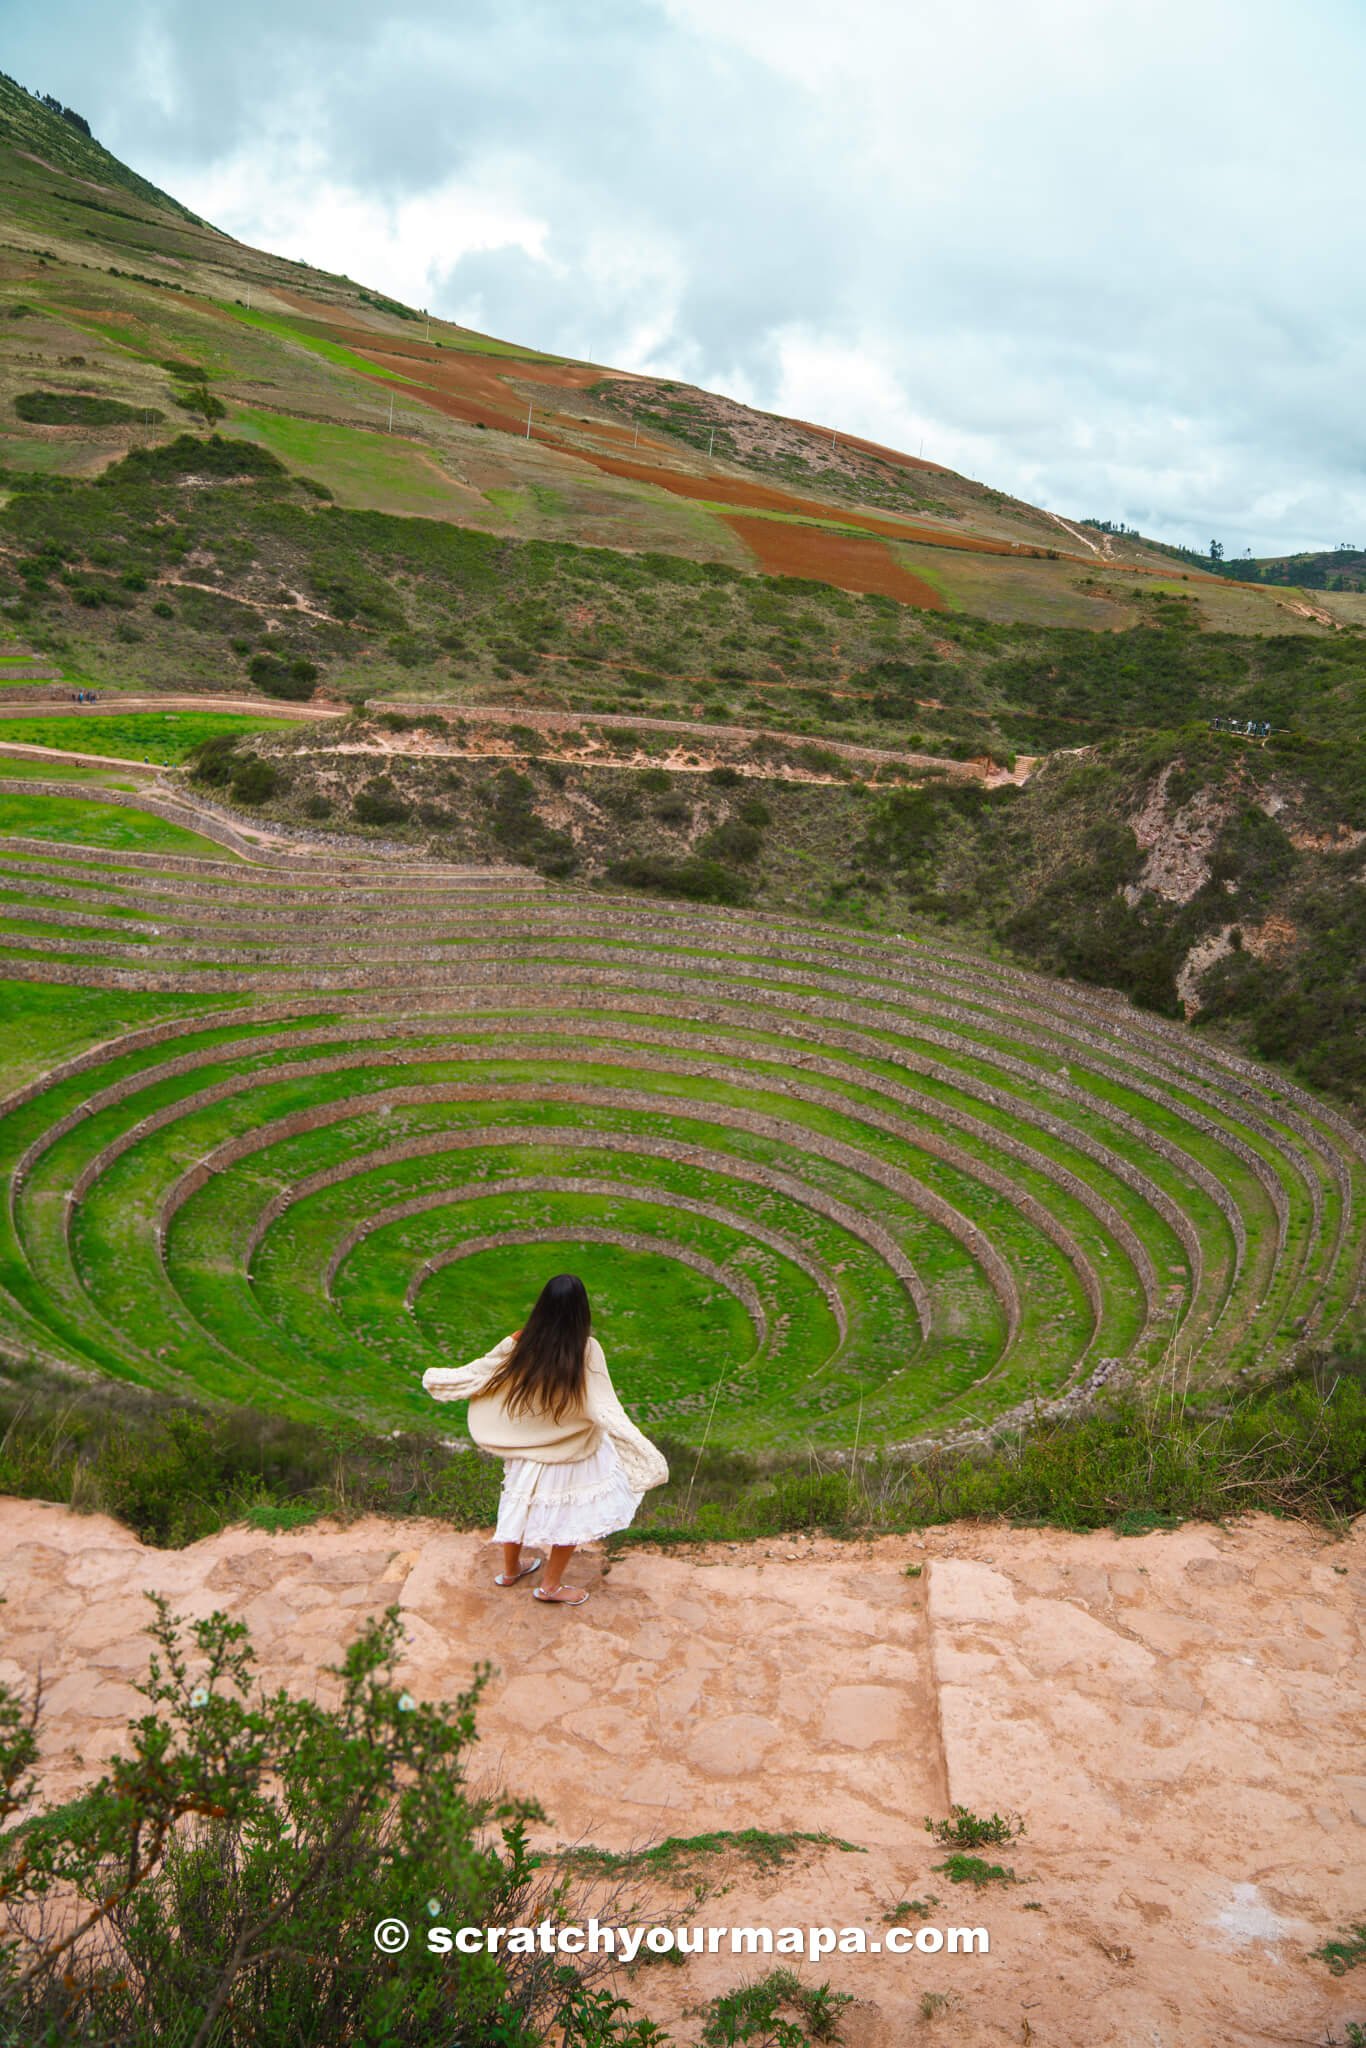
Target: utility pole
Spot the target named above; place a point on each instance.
(528, 419)
(391, 412)
(711, 440)
(635, 438)
(248, 298)
(428, 318)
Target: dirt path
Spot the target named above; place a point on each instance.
(686, 730)
(1305, 610)
(1102, 549)
(1178, 1716)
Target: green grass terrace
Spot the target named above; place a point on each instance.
(286, 1131)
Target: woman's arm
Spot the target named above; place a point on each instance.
(463, 1382)
(644, 1463)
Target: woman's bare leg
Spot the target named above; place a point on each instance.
(560, 1554)
(512, 1560)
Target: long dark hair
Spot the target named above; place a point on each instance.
(548, 1365)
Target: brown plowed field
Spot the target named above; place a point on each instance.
(837, 558)
(474, 388)
(732, 490)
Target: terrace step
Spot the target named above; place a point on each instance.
(929, 1186)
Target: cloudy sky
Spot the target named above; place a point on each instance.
(1101, 253)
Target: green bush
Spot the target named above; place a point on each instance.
(230, 1867)
(523, 835)
(79, 409)
(187, 455)
(292, 678)
(379, 803)
(214, 760)
(700, 881)
(255, 781)
(732, 841)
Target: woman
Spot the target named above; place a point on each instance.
(574, 1464)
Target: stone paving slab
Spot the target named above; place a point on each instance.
(1179, 1717)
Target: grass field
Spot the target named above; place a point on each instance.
(32, 768)
(72, 821)
(823, 1186)
(163, 737)
(359, 468)
(331, 352)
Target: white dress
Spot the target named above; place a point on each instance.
(549, 1504)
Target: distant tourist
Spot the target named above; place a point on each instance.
(575, 1467)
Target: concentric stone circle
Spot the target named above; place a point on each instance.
(925, 1186)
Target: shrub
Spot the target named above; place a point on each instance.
(79, 409)
(213, 760)
(753, 2013)
(523, 835)
(187, 455)
(674, 809)
(255, 781)
(965, 1829)
(201, 401)
(732, 841)
(228, 1869)
(701, 881)
(379, 803)
(289, 677)
(318, 807)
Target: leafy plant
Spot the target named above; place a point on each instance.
(221, 1882)
(1346, 1952)
(967, 1830)
(681, 1859)
(974, 1870)
(755, 2014)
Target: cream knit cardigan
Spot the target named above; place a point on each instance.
(537, 1437)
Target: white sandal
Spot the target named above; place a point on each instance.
(502, 1579)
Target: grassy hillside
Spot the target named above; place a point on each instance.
(187, 564)
(122, 314)
(229, 474)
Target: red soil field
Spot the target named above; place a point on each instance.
(863, 565)
(730, 490)
(473, 388)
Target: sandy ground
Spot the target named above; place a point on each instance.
(1179, 1718)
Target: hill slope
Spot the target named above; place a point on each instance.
(119, 282)
(589, 580)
